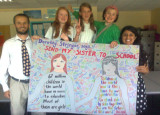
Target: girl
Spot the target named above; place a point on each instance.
(107, 32)
(61, 27)
(130, 36)
(87, 31)
(58, 76)
(110, 74)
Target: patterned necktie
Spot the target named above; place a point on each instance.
(25, 59)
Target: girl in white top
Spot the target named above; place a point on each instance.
(85, 30)
(61, 27)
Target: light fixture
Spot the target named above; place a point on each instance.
(66, 0)
(6, 0)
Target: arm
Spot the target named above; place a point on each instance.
(116, 33)
(92, 93)
(143, 69)
(4, 64)
(98, 24)
(75, 13)
(124, 94)
(113, 44)
(49, 33)
(35, 37)
(76, 38)
(38, 89)
(65, 37)
(68, 37)
(71, 92)
(78, 31)
(69, 7)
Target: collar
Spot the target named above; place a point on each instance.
(86, 23)
(108, 24)
(18, 38)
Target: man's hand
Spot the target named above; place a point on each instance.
(7, 94)
(35, 37)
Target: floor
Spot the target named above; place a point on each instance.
(153, 107)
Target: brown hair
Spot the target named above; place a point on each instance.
(56, 23)
(91, 19)
(21, 14)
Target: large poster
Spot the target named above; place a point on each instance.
(83, 78)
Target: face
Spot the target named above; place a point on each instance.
(128, 37)
(110, 15)
(85, 13)
(58, 63)
(62, 16)
(109, 69)
(22, 25)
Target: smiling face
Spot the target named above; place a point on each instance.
(109, 69)
(110, 15)
(22, 25)
(128, 37)
(62, 16)
(58, 64)
(85, 13)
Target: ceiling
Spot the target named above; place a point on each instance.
(123, 5)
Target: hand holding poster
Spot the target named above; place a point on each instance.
(83, 78)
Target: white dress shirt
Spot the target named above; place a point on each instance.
(51, 31)
(11, 60)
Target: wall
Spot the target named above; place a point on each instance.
(5, 30)
(8, 14)
(155, 18)
(134, 18)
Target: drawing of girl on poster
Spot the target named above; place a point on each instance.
(53, 88)
(113, 94)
